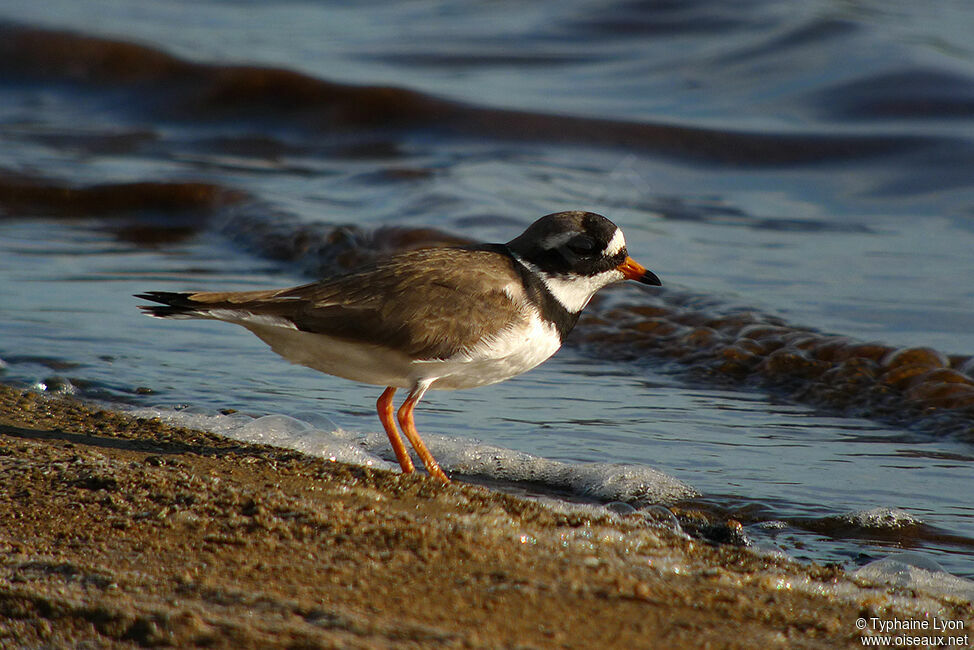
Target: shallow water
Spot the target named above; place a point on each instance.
(811, 161)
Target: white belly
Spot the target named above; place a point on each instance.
(511, 353)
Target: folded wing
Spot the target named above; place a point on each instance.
(428, 304)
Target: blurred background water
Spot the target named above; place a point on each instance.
(812, 160)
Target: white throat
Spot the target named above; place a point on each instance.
(574, 291)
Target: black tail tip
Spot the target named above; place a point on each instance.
(171, 304)
(162, 297)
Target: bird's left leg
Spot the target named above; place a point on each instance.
(405, 415)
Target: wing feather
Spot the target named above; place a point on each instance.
(429, 303)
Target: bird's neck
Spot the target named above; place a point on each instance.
(542, 291)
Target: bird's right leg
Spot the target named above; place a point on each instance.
(384, 407)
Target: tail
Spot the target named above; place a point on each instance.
(171, 305)
(232, 306)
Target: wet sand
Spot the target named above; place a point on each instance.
(118, 532)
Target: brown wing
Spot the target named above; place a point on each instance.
(429, 303)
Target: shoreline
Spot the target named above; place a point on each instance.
(125, 532)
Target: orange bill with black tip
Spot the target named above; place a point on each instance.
(633, 270)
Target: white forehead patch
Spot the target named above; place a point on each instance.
(616, 244)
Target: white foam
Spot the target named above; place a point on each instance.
(662, 517)
(278, 430)
(336, 445)
(55, 385)
(916, 571)
(881, 519)
(606, 482)
(602, 481)
(768, 548)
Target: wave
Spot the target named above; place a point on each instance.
(916, 93)
(164, 86)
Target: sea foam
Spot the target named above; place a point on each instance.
(605, 482)
(916, 571)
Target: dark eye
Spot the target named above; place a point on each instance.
(582, 245)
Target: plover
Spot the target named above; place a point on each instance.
(434, 318)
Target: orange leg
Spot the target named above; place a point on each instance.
(409, 428)
(384, 407)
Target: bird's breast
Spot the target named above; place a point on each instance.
(512, 351)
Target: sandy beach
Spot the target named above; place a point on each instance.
(122, 532)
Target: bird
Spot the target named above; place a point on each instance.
(444, 318)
